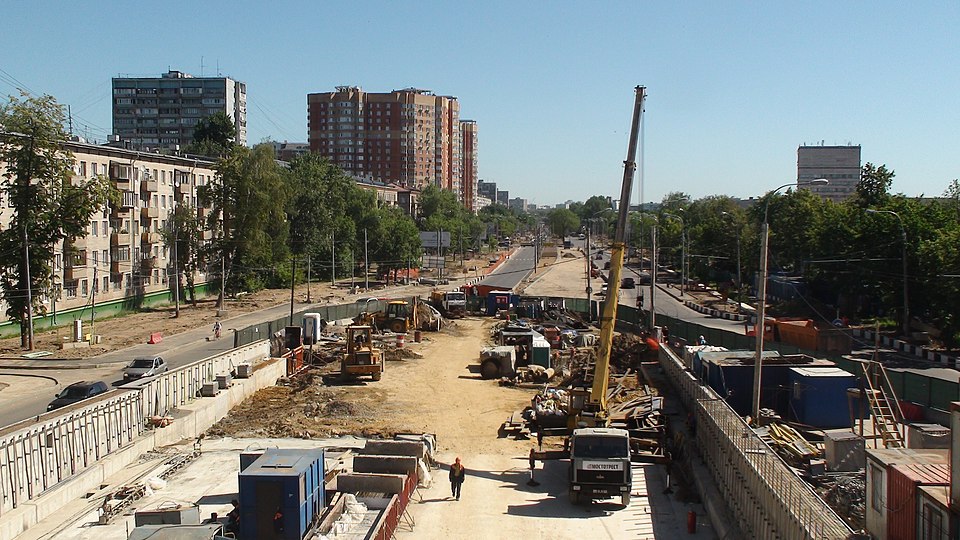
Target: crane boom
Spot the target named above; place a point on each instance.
(608, 317)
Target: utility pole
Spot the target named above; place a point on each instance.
(589, 273)
(308, 278)
(176, 272)
(26, 258)
(653, 278)
(353, 270)
(93, 302)
(366, 263)
(333, 259)
(293, 282)
(440, 255)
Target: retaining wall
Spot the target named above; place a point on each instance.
(66, 454)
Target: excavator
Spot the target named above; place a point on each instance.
(599, 455)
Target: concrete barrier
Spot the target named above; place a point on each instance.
(370, 483)
(385, 464)
(394, 448)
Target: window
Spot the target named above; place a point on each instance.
(93, 229)
(59, 262)
(83, 287)
(82, 169)
(106, 284)
(94, 169)
(104, 256)
(103, 227)
(93, 258)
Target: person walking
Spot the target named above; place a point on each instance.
(217, 327)
(457, 474)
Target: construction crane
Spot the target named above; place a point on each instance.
(595, 409)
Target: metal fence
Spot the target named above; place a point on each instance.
(765, 496)
(38, 456)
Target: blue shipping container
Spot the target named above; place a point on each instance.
(818, 396)
(281, 494)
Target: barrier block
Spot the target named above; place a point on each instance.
(155, 338)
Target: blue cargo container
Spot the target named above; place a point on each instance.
(281, 494)
(497, 300)
(818, 396)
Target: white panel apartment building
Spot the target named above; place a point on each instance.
(123, 254)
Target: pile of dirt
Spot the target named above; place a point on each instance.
(628, 351)
(396, 355)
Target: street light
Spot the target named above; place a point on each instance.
(683, 251)
(762, 293)
(903, 236)
(739, 277)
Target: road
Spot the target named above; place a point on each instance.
(517, 266)
(178, 350)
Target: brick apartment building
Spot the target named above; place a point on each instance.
(410, 137)
(468, 160)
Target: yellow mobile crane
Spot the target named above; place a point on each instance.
(600, 456)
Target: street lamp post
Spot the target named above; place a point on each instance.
(683, 251)
(739, 276)
(760, 326)
(903, 237)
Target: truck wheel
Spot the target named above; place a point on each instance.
(489, 370)
(397, 327)
(625, 499)
(574, 497)
(376, 376)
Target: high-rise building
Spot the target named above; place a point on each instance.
(162, 112)
(503, 197)
(838, 164)
(488, 190)
(410, 136)
(468, 161)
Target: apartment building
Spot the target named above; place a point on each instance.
(838, 164)
(162, 112)
(468, 163)
(488, 190)
(123, 255)
(410, 137)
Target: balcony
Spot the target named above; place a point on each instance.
(150, 238)
(72, 273)
(121, 238)
(119, 267)
(149, 212)
(149, 185)
(185, 189)
(78, 244)
(149, 263)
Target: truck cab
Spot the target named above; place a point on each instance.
(600, 465)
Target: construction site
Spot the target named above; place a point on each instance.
(498, 407)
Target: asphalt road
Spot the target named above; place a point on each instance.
(513, 270)
(177, 350)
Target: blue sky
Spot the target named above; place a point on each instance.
(733, 87)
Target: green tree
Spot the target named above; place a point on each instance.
(396, 243)
(185, 229)
(561, 221)
(48, 204)
(213, 135)
(249, 220)
(873, 189)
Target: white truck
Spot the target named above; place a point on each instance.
(452, 304)
(600, 465)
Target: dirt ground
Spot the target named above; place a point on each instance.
(462, 409)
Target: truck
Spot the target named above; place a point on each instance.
(453, 304)
(600, 465)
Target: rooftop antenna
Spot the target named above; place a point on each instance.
(70, 119)
(201, 66)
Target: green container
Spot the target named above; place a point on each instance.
(541, 352)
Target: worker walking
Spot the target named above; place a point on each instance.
(217, 327)
(457, 474)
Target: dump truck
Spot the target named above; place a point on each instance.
(600, 465)
(361, 358)
(453, 304)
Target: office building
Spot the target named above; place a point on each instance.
(152, 113)
(503, 197)
(468, 163)
(838, 164)
(488, 190)
(518, 204)
(410, 137)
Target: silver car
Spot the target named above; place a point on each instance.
(146, 366)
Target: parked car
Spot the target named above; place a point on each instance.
(628, 283)
(147, 366)
(606, 265)
(77, 391)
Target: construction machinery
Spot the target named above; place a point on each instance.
(452, 304)
(361, 358)
(399, 317)
(599, 455)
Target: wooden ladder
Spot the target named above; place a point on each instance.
(884, 406)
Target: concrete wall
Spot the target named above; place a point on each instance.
(394, 448)
(371, 483)
(385, 464)
(47, 464)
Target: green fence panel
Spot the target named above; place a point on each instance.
(942, 393)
